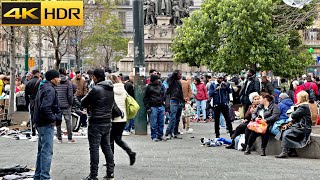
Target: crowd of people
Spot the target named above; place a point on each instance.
(97, 97)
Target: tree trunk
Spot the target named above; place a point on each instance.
(58, 60)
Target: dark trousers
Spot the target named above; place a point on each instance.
(32, 124)
(99, 135)
(251, 137)
(241, 129)
(116, 136)
(224, 109)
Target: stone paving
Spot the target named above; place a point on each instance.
(175, 159)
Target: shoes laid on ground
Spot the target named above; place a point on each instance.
(91, 178)
(155, 140)
(109, 177)
(59, 141)
(126, 133)
(33, 138)
(72, 141)
(132, 157)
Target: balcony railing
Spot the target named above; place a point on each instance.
(311, 37)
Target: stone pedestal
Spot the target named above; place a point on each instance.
(158, 55)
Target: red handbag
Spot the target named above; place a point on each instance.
(258, 126)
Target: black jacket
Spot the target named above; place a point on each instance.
(65, 92)
(99, 102)
(271, 114)
(154, 95)
(268, 88)
(254, 86)
(128, 86)
(46, 108)
(32, 88)
(174, 91)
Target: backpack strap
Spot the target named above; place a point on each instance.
(35, 85)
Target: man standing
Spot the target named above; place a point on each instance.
(175, 95)
(99, 102)
(65, 96)
(220, 98)
(152, 71)
(32, 88)
(46, 115)
(81, 85)
(128, 86)
(251, 84)
(267, 85)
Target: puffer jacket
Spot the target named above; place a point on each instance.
(120, 95)
(271, 114)
(99, 102)
(65, 92)
(154, 95)
(46, 108)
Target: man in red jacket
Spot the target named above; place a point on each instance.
(310, 85)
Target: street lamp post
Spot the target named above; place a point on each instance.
(139, 66)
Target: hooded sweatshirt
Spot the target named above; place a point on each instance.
(120, 95)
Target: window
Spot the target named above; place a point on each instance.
(122, 2)
(122, 18)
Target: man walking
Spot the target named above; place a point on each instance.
(99, 102)
(65, 96)
(220, 98)
(46, 115)
(81, 85)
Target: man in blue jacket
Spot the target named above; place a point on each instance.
(220, 103)
(47, 114)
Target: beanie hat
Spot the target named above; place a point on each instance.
(153, 78)
(51, 74)
(283, 96)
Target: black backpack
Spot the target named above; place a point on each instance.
(310, 91)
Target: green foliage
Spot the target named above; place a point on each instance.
(232, 35)
(106, 37)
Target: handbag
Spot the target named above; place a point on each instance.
(277, 125)
(116, 111)
(258, 126)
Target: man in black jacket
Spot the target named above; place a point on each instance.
(175, 97)
(46, 115)
(99, 102)
(252, 84)
(65, 96)
(31, 91)
(267, 85)
(153, 101)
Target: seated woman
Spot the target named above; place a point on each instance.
(267, 111)
(298, 135)
(284, 105)
(254, 99)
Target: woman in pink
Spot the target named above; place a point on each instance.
(201, 98)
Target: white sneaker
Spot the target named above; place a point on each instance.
(34, 138)
(126, 133)
(190, 131)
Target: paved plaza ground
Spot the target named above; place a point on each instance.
(175, 159)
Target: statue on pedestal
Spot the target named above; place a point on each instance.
(176, 14)
(150, 17)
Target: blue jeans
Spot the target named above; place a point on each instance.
(45, 152)
(129, 125)
(156, 122)
(201, 104)
(175, 113)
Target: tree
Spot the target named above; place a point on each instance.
(232, 35)
(105, 41)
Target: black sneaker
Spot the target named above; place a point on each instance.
(132, 157)
(109, 177)
(91, 178)
(177, 137)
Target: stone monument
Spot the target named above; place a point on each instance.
(159, 31)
